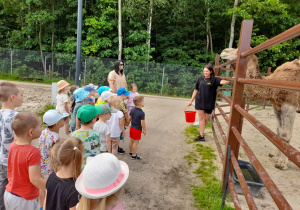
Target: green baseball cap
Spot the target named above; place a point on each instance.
(88, 112)
(106, 108)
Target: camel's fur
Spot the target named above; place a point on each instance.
(285, 102)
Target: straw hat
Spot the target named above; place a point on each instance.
(62, 84)
(102, 176)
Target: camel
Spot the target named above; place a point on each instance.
(285, 103)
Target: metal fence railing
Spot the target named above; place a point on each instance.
(233, 140)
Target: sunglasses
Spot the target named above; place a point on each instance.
(122, 64)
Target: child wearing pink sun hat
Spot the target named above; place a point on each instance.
(62, 101)
(101, 180)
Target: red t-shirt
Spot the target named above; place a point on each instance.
(20, 157)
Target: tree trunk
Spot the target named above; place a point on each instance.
(41, 50)
(120, 30)
(211, 42)
(231, 33)
(208, 30)
(149, 26)
(232, 26)
(52, 40)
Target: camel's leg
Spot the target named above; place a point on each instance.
(285, 116)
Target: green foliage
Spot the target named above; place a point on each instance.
(16, 77)
(178, 37)
(209, 194)
(44, 109)
(25, 71)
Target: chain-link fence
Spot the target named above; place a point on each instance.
(152, 78)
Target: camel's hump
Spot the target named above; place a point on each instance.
(289, 71)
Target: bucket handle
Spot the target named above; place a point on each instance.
(188, 106)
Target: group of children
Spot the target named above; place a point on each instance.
(51, 175)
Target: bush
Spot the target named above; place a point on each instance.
(42, 111)
(25, 71)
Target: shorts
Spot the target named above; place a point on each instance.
(207, 111)
(13, 201)
(135, 134)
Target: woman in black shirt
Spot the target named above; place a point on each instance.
(206, 92)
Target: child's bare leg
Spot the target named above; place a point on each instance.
(66, 122)
(42, 197)
(108, 146)
(43, 192)
(134, 147)
(130, 145)
(115, 144)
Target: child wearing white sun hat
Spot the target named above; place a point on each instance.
(99, 183)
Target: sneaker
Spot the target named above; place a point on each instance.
(200, 138)
(130, 153)
(121, 152)
(136, 157)
(197, 139)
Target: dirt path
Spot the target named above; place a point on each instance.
(161, 180)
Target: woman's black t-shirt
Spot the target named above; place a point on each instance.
(61, 193)
(207, 92)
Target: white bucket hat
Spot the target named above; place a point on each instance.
(106, 95)
(103, 175)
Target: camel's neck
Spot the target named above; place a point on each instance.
(253, 68)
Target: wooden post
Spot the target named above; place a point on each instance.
(269, 71)
(235, 119)
(217, 63)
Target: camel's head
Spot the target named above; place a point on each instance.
(229, 53)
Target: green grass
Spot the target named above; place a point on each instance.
(42, 111)
(209, 194)
(258, 109)
(15, 77)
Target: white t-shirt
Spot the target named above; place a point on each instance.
(103, 130)
(6, 133)
(114, 124)
(61, 99)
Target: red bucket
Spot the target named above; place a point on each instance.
(190, 116)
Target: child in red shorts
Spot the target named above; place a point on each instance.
(138, 126)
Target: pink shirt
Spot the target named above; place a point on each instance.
(120, 206)
(130, 98)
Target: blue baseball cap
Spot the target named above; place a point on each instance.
(102, 89)
(90, 87)
(80, 94)
(123, 91)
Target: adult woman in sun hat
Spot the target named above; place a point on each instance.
(205, 93)
(100, 182)
(116, 78)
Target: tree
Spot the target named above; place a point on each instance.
(120, 29)
(232, 25)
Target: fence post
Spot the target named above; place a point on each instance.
(84, 71)
(11, 61)
(235, 119)
(162, 81)
(54, 93)
(45, 66)
(218, 70)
